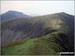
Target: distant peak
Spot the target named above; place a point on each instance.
(12, 11)
(63, 13)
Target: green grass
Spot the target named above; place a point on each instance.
(18, 48)
(36, 46)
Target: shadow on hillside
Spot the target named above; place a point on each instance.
(63, 40)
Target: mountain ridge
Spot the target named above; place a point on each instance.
(25, 28)
(42, 35)
(11, 15)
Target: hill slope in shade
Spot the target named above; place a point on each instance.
(11, 15)
(35, 27)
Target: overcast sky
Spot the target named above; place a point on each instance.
(38, 7)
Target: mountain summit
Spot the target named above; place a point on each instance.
(12, 14)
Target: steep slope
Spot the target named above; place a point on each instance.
(36, 46)
(12, 14)
(34, 27)
(50, 44)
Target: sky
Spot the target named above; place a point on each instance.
(38, 7)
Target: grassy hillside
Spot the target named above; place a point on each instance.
(50, 44)
(42, 35)
(34, 27)
(37, 46)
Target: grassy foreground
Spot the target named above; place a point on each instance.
(37, 46)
